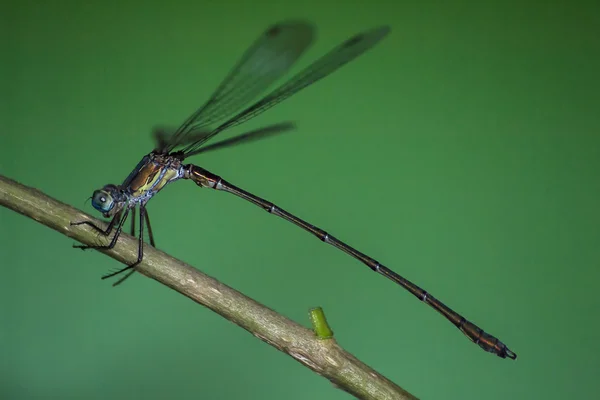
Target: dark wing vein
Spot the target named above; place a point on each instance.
(340, 55)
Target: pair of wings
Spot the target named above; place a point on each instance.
(267, 60)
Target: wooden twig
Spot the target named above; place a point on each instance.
(325, 357)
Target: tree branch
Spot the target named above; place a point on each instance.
(322, 355)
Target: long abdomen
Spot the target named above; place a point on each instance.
(483, 339)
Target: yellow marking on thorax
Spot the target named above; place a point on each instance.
(152, 177)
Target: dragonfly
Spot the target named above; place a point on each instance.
(270, 56)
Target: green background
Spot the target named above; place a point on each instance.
(462, 152)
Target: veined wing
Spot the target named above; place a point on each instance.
(267, 60)
(339, 56)
(243, 138)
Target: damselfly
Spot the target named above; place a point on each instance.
(271, 55)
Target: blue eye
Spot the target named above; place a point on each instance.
(102, 201)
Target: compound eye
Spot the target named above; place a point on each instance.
(102, 201)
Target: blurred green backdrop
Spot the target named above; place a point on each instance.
(463, 152)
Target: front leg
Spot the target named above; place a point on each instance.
(104, 232)
(132, 268)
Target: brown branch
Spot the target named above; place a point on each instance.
(324, 356)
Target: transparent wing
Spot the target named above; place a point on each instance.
(257, 134)
(165, 138)
(242, 138)
(267, 60)
(339, 56)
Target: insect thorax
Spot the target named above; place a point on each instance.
(154, 173)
